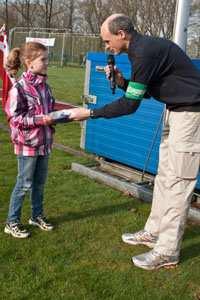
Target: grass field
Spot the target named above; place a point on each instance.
(67, 83)
(84, 258)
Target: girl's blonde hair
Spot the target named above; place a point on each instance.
(18, 56)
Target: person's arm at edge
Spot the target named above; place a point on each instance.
(119, 107)
(125, 105)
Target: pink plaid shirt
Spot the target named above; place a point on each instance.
(29, 99)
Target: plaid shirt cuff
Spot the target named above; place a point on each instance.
(38, 120)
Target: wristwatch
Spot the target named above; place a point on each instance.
(92, 116)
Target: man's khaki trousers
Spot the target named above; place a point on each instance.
(179, 161)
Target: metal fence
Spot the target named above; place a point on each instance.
(69, 48)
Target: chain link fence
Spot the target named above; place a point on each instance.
(69, 48)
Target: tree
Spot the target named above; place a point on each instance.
(156, 17)
(194, 30)
(94, 13)
(22, 8)
(48, 5)
(153, 17)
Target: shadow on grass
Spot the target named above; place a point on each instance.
(102, 211)
(187, 252)
(190, 252)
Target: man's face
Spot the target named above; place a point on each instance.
(114, 43)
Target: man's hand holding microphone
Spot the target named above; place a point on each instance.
(113, 74)
(115, 77)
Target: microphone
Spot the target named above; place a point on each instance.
(111, 63)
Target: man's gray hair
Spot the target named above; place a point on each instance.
(121, 22)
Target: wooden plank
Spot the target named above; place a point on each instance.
(134, 189)
(125, 172)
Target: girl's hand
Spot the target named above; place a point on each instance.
(47, 120)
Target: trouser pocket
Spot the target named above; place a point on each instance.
(186, 164)
(184, 143)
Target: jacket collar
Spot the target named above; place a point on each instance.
(34, 79)
(133, 41)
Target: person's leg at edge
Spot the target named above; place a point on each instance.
(37, 195)
(26, 166)
(149, 235)
(153, 222)
(183, 162)
(39, 179)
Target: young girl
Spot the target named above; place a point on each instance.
(28, 105)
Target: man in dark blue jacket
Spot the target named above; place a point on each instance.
(160, 69)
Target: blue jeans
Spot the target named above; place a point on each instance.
(32, 174)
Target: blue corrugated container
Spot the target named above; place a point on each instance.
(126, 139)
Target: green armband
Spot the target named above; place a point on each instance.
(135, 90)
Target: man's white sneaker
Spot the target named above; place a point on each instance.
(153, 260)
(16, 230)
(141, 237)
(42, 223)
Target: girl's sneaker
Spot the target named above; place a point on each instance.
(41, 222)
(16, 230)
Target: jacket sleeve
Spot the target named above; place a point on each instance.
(120, 107)
(18, 112)
(125, 85)
(52, 100)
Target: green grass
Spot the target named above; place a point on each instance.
(67, 83)
(67, 86)
(84, 258)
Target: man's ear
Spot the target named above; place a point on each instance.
(121, 34)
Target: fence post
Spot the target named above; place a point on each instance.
(11, 32)
(63, 50)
